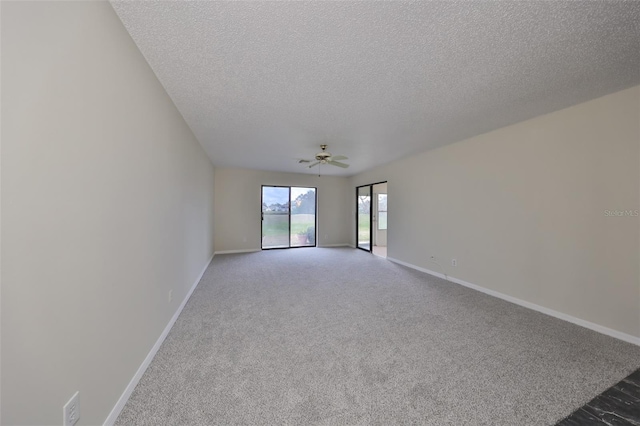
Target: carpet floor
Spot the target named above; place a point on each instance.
(338, 336)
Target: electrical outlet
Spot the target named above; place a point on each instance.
(326, 236)
(454, 262)
(170, 295)
(244, 239)
(71, 410)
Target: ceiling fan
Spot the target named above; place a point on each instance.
(325, 157)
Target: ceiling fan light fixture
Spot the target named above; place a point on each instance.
(325, 157)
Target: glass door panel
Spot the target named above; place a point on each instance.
(303, 217)
(275, 217)
(364, 217)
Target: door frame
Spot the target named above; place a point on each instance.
(370, 185)
(315, 217)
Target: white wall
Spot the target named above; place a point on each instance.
(237, 199)
(522, 209)
(107, 204)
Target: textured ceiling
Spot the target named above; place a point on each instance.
(263, 83)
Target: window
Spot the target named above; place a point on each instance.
(382, 212)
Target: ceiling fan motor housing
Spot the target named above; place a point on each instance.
(323, 156)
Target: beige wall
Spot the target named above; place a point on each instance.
(522, 209)
(237, 198)
(107, 204)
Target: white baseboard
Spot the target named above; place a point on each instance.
(236, 251)
(115, 412)
(417, 268)
(560, 315)
(254, 250)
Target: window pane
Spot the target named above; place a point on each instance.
(382, 202)
(382, 212)
(382, 220)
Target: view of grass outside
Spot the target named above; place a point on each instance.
(276, 224)
(363, 228)
(301, 223)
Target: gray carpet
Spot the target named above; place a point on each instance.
(338, 336)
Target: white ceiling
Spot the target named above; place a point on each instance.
(263, 83)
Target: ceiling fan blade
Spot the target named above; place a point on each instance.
(339, 157)
(336, 163)
(314, 164)
(302, 160)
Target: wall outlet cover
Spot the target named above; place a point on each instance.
(71, 410)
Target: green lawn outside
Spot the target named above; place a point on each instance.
(363, 227)
(278, 224)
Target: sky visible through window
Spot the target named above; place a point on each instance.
(296, 192)
(276, 195)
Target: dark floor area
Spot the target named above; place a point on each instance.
(617, 406)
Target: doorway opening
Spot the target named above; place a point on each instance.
(288, 216)
(371, 218)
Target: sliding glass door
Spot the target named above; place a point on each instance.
(363, 219)
(288, 217)
(371, 218)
